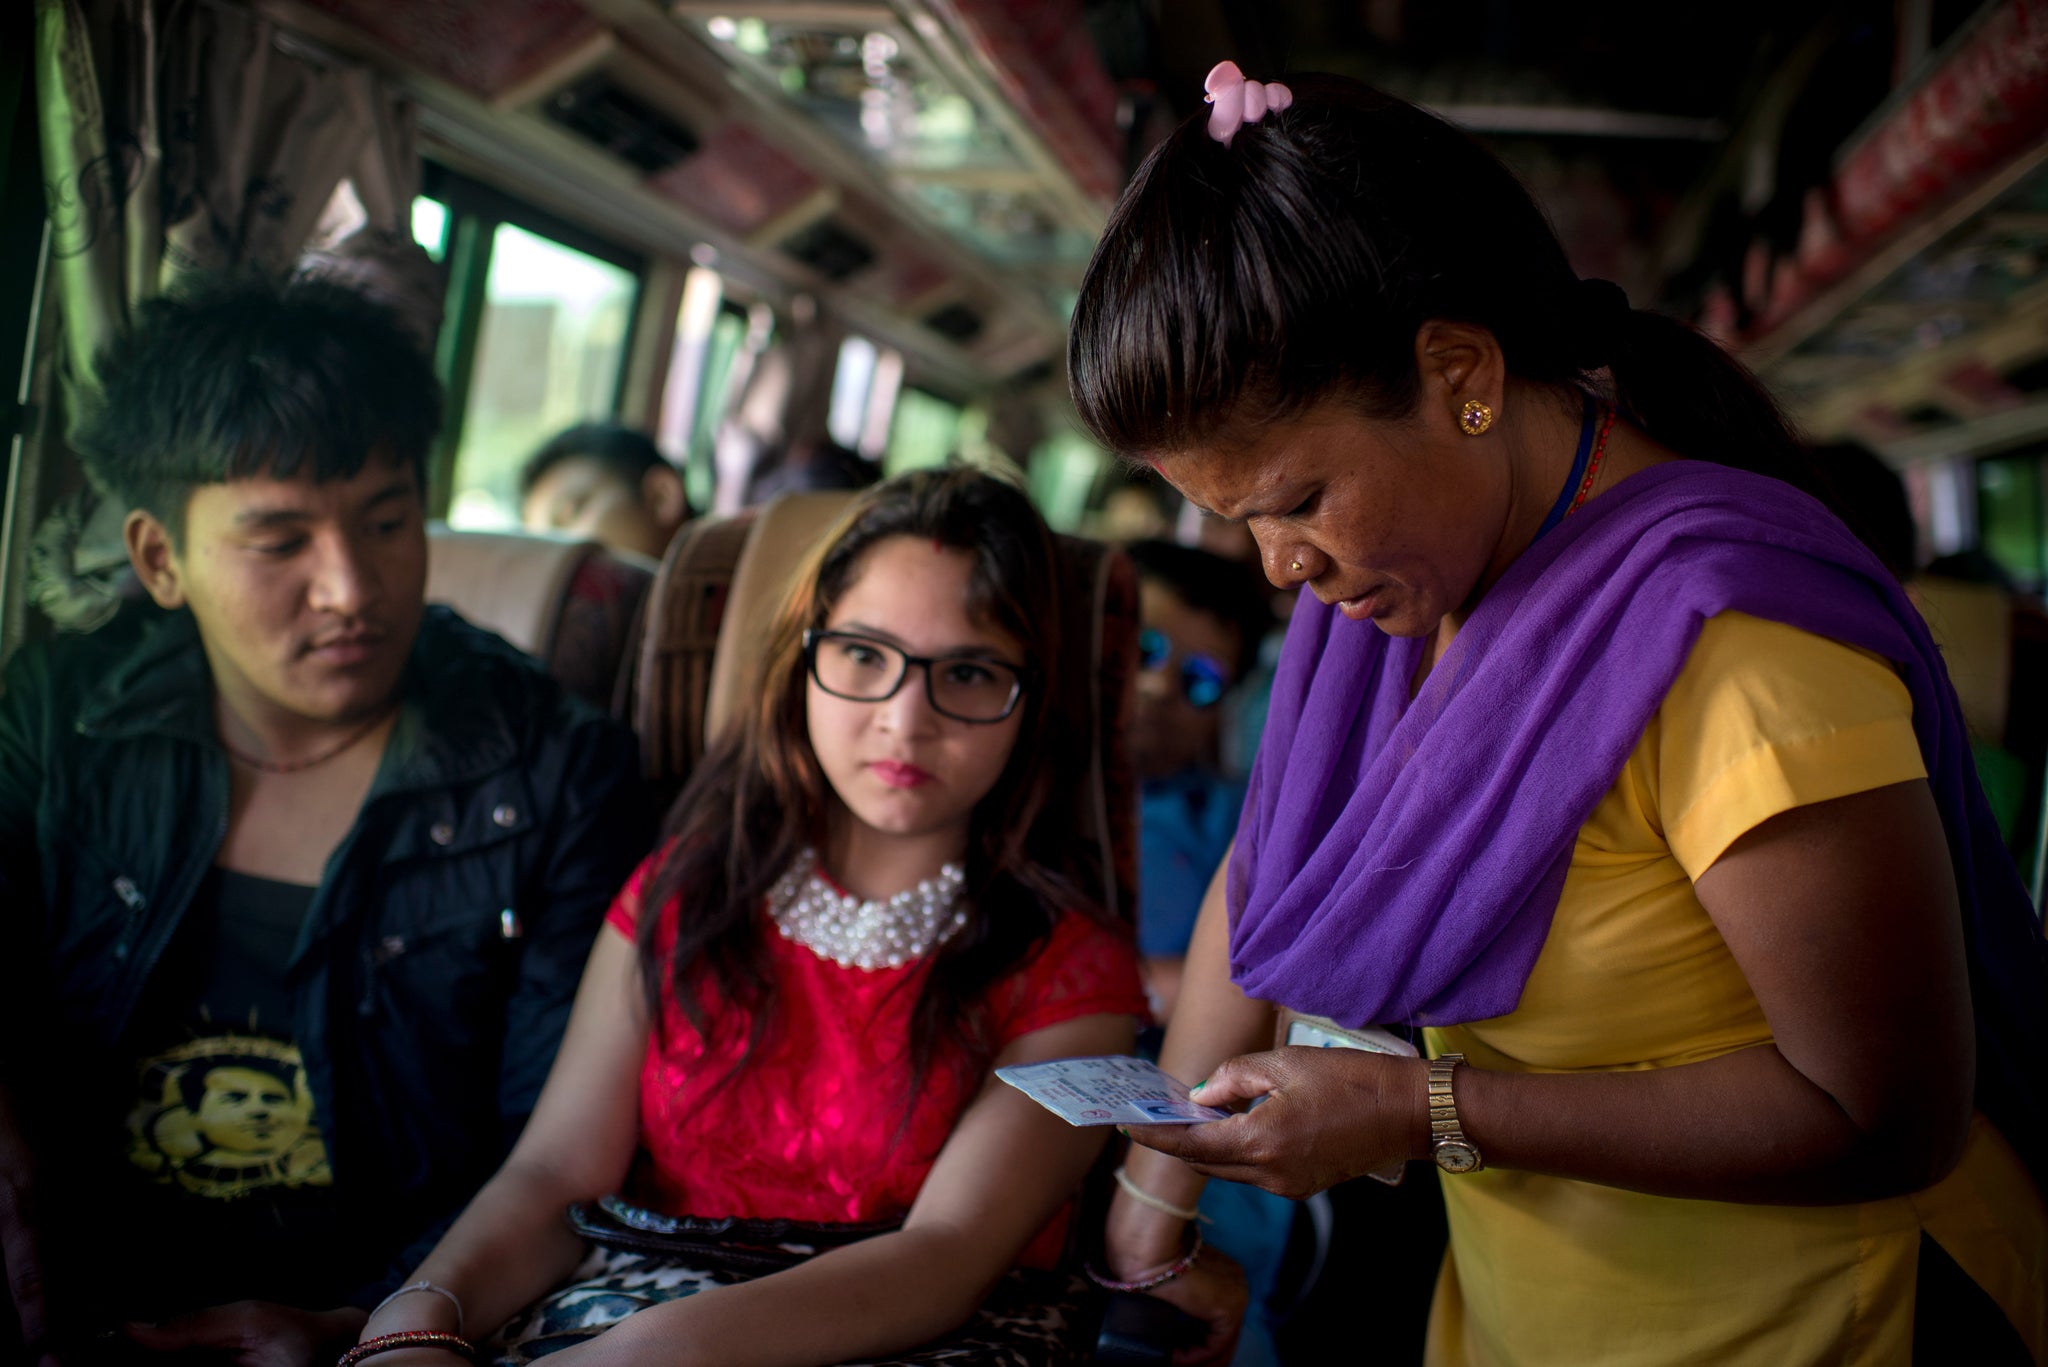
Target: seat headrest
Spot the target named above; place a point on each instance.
(508, 582)
(776, 544)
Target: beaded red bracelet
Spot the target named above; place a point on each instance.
(1174, 1269)
(407, 1338)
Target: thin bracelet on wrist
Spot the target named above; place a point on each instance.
(431, 1288)
(1176, 1268)
(1158, 1203)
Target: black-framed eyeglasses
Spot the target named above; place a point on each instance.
(1203, 681)
(969, 688)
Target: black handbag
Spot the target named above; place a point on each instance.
(729, 1242)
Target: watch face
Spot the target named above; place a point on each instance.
(1455, 1155)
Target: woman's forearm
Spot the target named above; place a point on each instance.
(1746, 1126)
(878, 1296)
(1212, 1021)
(512, 1244)
(1842, 916)
(509, 1248)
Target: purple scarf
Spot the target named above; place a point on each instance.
(1400, 861)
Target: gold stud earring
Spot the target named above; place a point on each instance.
(1294, 565)
(1475, 417)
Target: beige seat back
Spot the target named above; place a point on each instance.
(511, 583)
(573, 605)
(782, 534)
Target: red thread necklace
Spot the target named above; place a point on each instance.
(1593, 465)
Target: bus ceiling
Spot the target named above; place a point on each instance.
(936, 170)
(1850, 194)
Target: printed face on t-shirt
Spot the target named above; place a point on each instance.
(248, 1111)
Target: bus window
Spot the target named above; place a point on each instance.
(550, 346)
(430, 226)
(864, 390)
(852, 380)
(1062, 475)
(2011, 507)
(925, 432)
(728, 334)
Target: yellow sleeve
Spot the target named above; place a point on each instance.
(1764, 718)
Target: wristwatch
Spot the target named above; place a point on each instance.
(1453, 1152)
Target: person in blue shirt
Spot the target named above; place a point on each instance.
(1203, 618)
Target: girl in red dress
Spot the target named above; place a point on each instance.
(868, 897)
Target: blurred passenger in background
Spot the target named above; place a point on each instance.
(608, 483)
(1141, 510)
(813, 466)
(1203, 619)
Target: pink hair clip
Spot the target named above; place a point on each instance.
(1238, 101)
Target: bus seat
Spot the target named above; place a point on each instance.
(782, 533)
(673, 678)
(573, 605)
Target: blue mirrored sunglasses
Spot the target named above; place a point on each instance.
(1203, 681)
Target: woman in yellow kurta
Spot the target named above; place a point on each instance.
(1623, 781)
(1633, 974)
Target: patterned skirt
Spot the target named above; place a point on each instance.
(1031, 1319)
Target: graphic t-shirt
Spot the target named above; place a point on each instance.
(228, 1179)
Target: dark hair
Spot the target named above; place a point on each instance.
(231, 376)
(1240, 285)
(758, 796)
(1226, 589)
(815, 465)
(1871, 498)
(626, 451)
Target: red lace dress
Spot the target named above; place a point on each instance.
(809, 1129)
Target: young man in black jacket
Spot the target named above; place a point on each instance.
(297, 875)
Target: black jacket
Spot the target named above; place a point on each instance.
(441, 953)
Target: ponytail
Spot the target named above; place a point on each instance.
(1237, 285)
(1678, 385)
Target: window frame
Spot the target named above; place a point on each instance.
(24, 237)
(475, 211)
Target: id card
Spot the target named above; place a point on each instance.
(1317, 1033)
(1110, 1089)
(1314, 1032)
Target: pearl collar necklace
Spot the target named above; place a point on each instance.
(866, 934)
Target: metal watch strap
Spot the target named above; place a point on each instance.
(1448, 1145)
